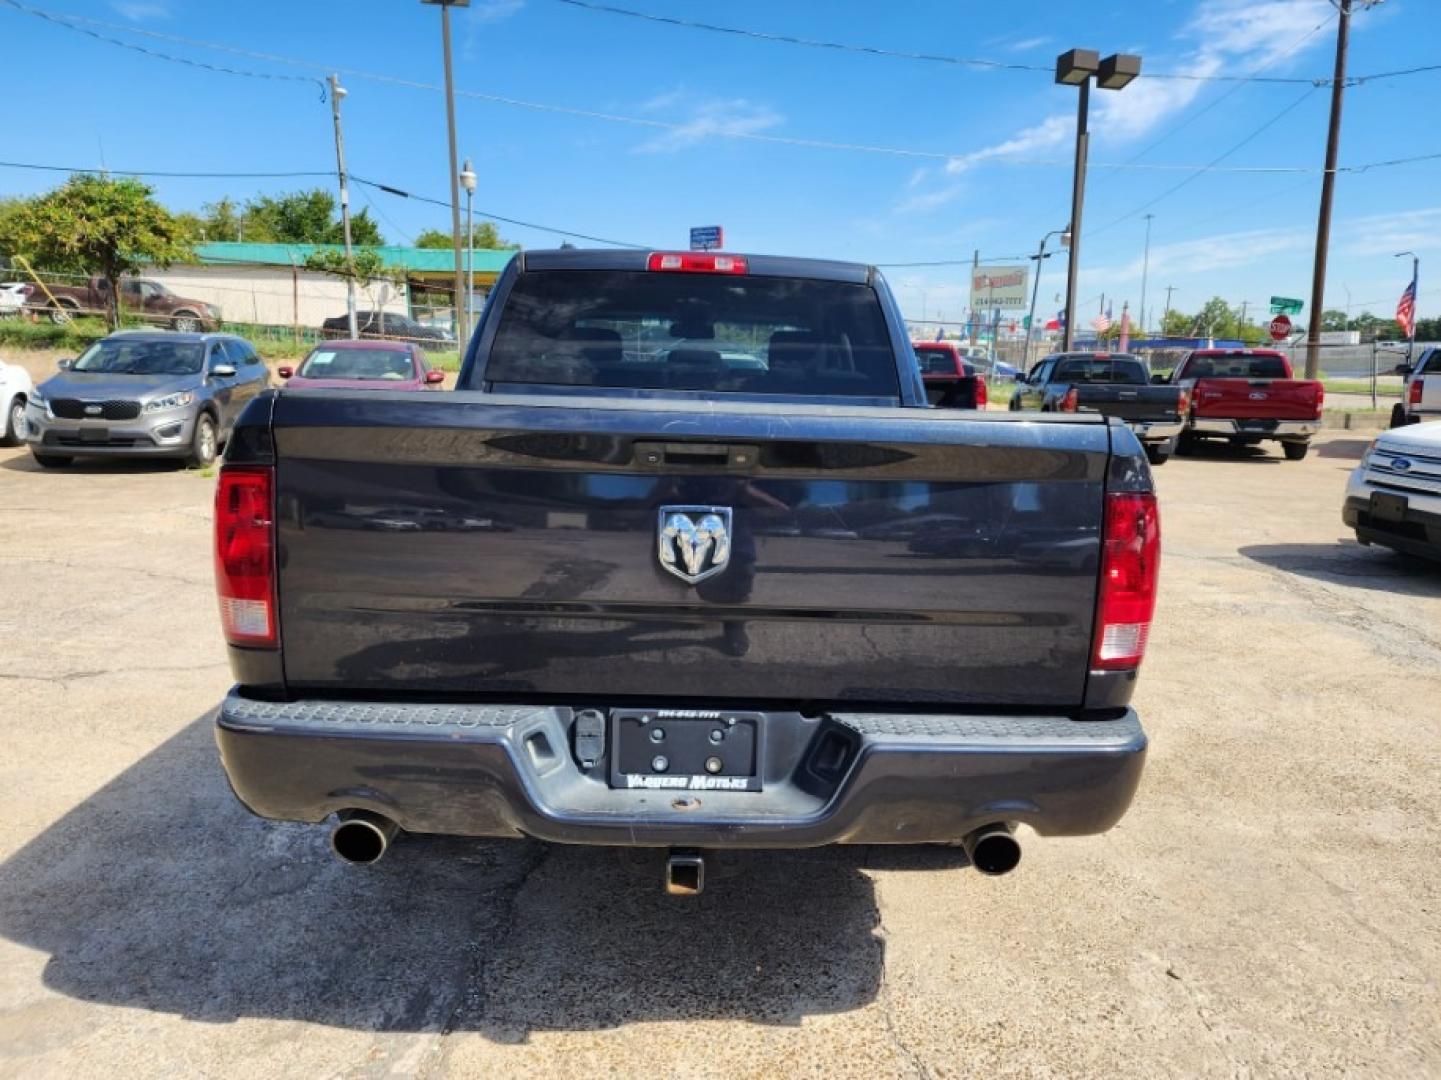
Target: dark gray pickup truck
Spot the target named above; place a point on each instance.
(627, 587)
(1112, 384)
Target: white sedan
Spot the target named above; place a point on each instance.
(14, 392)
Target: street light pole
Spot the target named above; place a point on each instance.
(1039, 256)
(1076, 68)
(445, 6)
(467, 181)
(1145, 272)
(336, 93)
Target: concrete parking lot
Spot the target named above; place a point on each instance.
(1272, 904)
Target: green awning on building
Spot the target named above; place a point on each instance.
(485, 261)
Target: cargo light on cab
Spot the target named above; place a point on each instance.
(696, 262)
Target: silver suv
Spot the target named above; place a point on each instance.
(145, 393)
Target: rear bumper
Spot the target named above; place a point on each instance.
(1156, 430)
(1273, 429)
(508, 770)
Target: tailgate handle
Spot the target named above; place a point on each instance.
(697, 455)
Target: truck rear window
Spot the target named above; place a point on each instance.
(1127, 372)
(684, 331)
(1240, 366)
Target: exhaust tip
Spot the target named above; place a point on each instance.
(362, 837)
(993, 850)
(684, 873)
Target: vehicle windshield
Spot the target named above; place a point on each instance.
(936, 360)
(1239, 366)
(141, 357)
(385, 364)
(1111, 370)
(708, 332)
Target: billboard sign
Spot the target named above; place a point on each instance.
(1001, 287)
(707, 238)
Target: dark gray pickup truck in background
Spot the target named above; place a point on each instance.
(1112, 384)
(657, 593)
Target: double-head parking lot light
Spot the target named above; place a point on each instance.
(1077, 67)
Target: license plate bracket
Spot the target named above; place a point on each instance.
(1388, 507)
(94, 434)
(695, 749)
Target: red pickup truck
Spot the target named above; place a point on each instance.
(1246, 396)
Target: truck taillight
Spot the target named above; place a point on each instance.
(1418, 387)
(1069, 401)
(696, 262)
(1183, 401)
(1320, 401)
(982, 398)
(245, 554)
(1130, 562)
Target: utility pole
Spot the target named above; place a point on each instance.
(1328, 184)
(455, 234)
(336, 93)
(1145, 270)
(975, 266)
(1078, 198)
(1169, 290)
(1241, 326)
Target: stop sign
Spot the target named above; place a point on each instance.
(1280, 328)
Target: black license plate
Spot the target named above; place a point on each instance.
(94, 434)
(1388, 507)
(1258, 425)
(685, 750)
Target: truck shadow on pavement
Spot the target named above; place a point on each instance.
(161, 892)
(23, 462)
(1348, 563)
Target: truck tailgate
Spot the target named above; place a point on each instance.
(475, 544)
(1155, 403)
(1258, 399)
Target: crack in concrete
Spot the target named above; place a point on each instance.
(887, 1005)
(65, 680)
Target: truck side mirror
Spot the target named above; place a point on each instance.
(1160, 378)
(433, 377)
(64, 365)
(222, 371)
(1403, 370)
(285, 371)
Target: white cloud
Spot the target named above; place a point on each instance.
(141, 10)
(715, 119)
(1052, 131)
(1385, 234)
(1027, 44)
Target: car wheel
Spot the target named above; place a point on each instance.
(1398, 415)
(1158, 453)
(187, 322)
(1185, 444)
(14, 430)
(60, 314)
(52, 461)
(204, 442)
(1295, 451)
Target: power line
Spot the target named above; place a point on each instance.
(960, 61)
(163, 173)
(70, 24)
(391, 190)
(619, 118)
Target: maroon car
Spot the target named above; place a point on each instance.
(364, 365)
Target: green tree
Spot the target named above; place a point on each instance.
(1332, 320)
(98, 225)
(300, 217)
(486, 236)
(1176, 324)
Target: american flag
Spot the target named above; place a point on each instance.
(1406, 309)
(1102, 322)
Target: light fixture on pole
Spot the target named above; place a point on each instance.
(445, 6)
(467, 181)
(1036, 288)
(1077, 67)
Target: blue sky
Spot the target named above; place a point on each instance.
(988, 151)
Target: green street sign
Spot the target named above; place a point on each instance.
(1284, 305)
